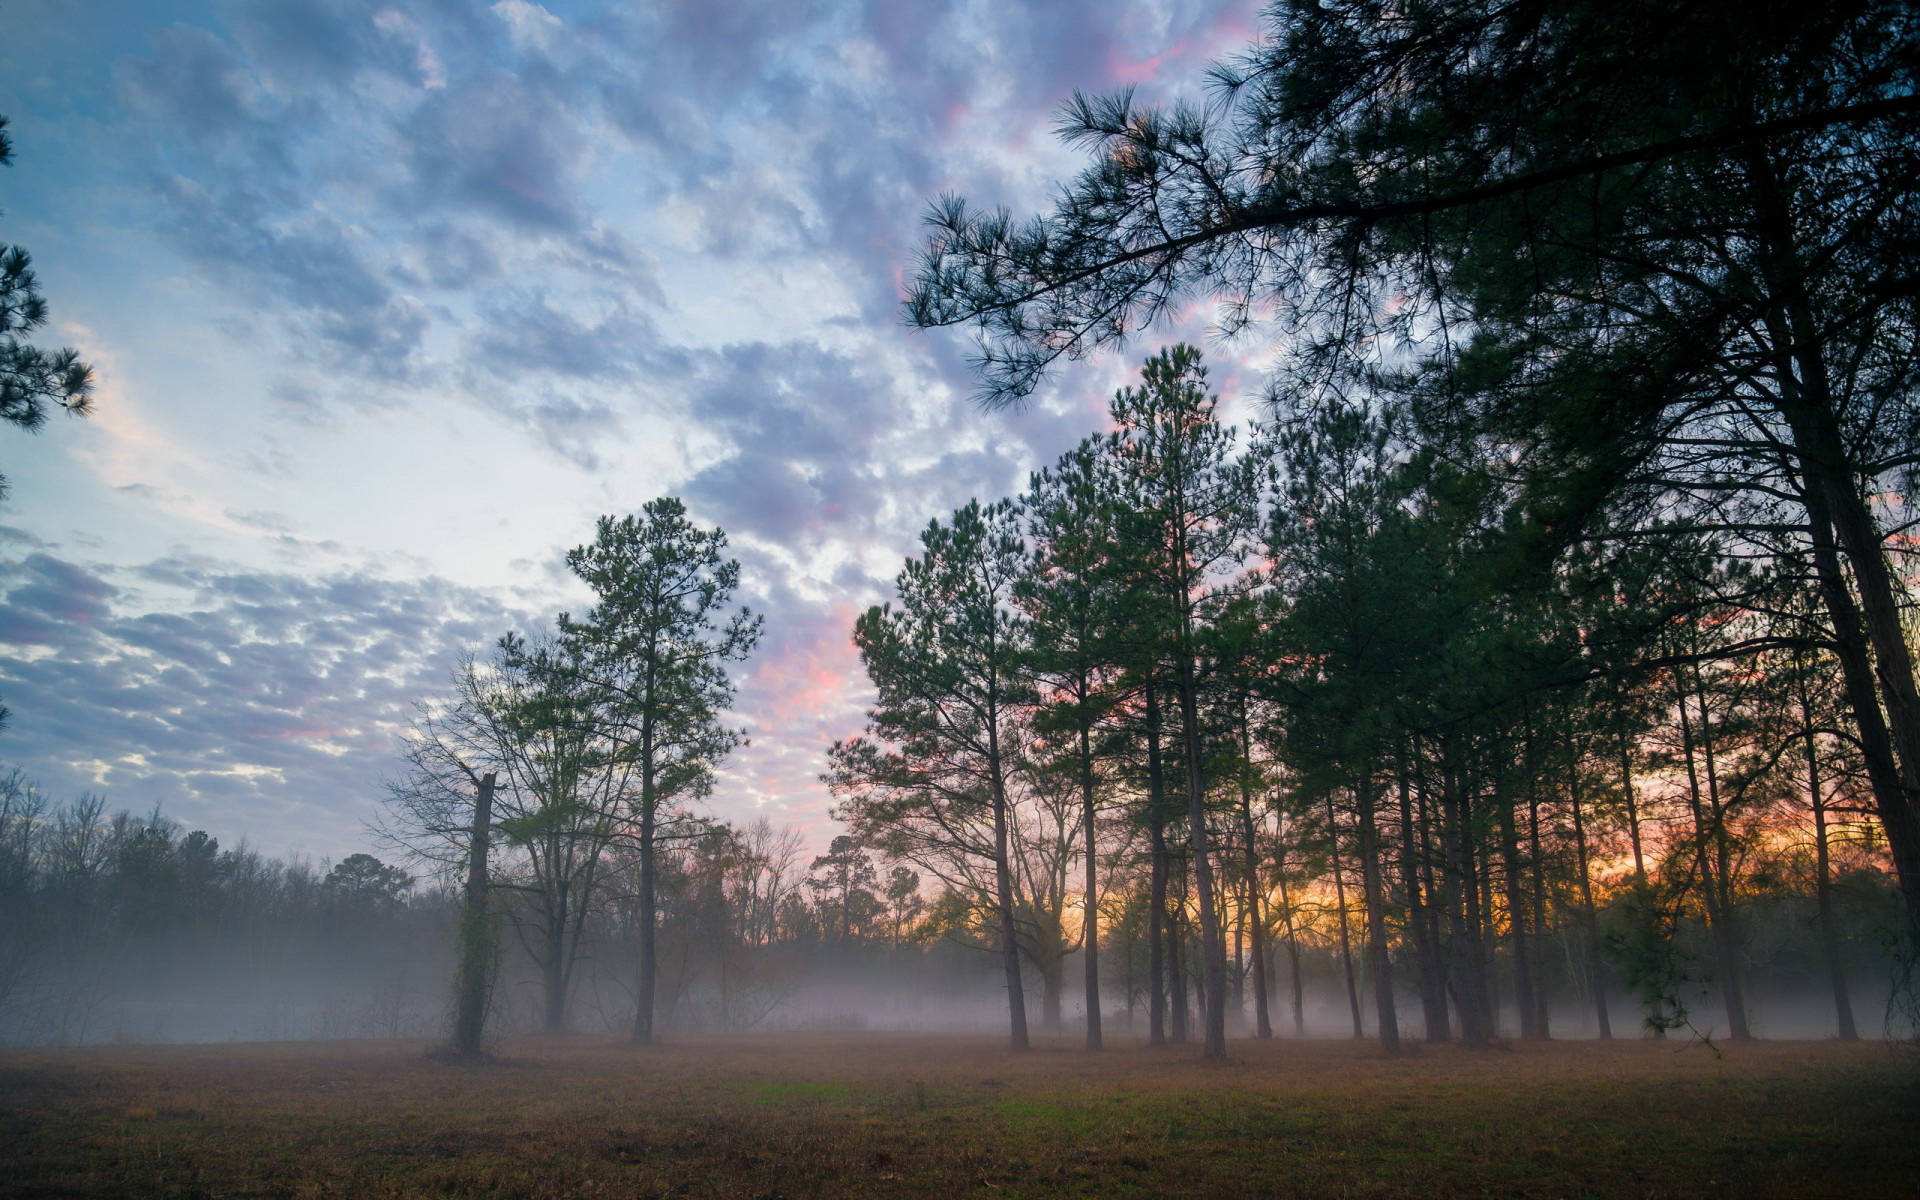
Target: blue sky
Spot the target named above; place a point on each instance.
(389, 301)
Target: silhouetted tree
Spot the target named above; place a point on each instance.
(653, 651)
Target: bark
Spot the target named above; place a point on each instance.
(554, 969)
(1435, 908)
(1900, 819)
(1633, 809)
(1053, 987)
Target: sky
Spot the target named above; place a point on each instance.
(388, 302)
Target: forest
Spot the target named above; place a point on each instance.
(1531, 661)
(1317, 751)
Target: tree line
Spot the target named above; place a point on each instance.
(125, 926)
(1216, 690)
(120, 925)
(1595, 421)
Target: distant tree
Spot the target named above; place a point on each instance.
(765, 875)
(363, 881)
(905, 904)
(845, 886)
(654, 651)
(933, 779)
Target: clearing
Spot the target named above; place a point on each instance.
(883, 1114)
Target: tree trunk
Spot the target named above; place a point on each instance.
(1090, 908)
(1724, 950)
(1003, 898)
(1633, 809)
(1293, 953)
(1177, 1009)
(1463, 917)
(1157, 900)
(647, 980)
(1255, 918)
(476, 931)
(1436, 998)
(1053, 988)
(1213, 946)
(554, 969)
(1823, 878)
(1542, 1022)
(1590, 920)
(1340, 902)
(1375, 897)
(1899, 818)
(1517, 919)
(1835, 506)
(1426, 954)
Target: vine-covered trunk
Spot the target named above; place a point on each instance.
(475, 972)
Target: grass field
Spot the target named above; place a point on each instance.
(942, 1115)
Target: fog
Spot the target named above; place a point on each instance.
(123, 928)
(398, 984)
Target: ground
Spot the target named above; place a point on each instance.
(882, 1114)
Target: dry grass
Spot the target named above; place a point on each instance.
(940, 1115)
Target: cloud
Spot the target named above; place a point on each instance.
(663, 243)
(261, 704)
